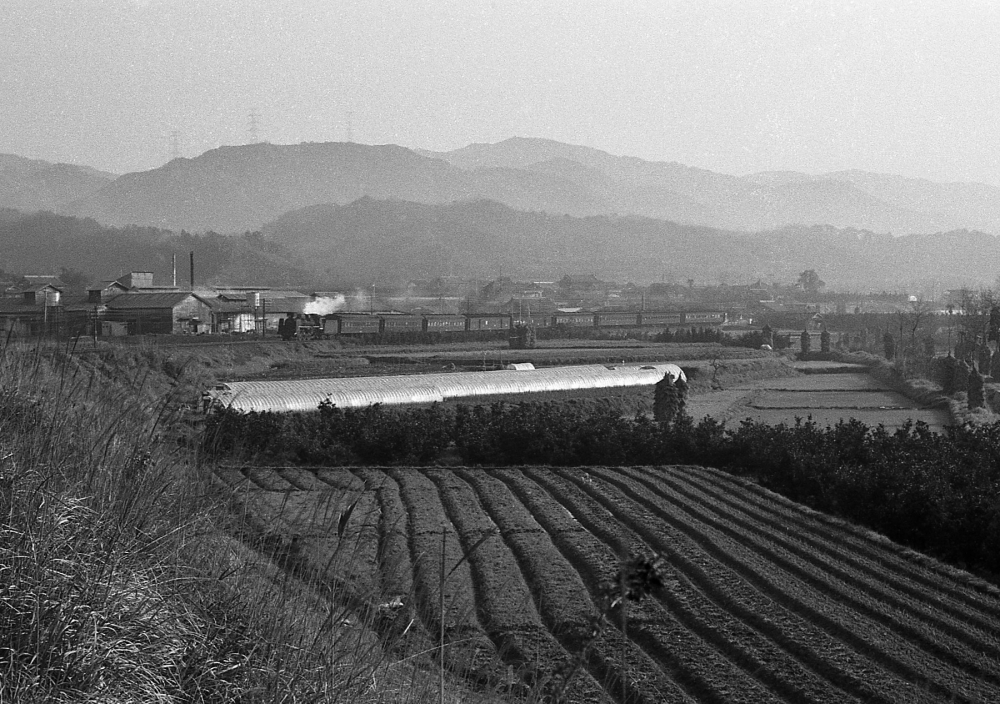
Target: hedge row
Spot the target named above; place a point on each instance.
(938, 493)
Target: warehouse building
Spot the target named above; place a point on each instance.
(160, 313)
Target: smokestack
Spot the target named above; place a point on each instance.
(192, 270)
(173, 264)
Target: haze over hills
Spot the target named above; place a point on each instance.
(757, 202)
(31, 184)
(394, 241)
(43, 243)
(234, 189)
(371, 240)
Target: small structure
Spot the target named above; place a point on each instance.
(242, 309)
(99, 294)
(34, 309)
(160, 313)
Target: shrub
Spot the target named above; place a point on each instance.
(977, 398)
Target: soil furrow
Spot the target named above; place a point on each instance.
(301, 479)
(978, 595)
(865, 635)
(468, 650)
(595, 561)
(564, 602)
(704, 602)
(818, 537)
(505, 605)
(765, 610)
(963, 645)
(267, 479)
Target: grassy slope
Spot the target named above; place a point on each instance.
(126, 576)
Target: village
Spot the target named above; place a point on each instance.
(135, 304)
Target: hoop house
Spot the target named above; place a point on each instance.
(356, 392)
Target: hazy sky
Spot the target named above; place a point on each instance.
(902, 87)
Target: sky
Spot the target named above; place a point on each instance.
(902, 87)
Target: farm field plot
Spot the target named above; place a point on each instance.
(763, 600)
(826, 398)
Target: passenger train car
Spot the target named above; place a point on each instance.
(381, 323)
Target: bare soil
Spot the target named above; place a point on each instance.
(762, 600)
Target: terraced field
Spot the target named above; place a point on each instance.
(764, 601)
(825, 398)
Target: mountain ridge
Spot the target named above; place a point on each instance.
(33, 184)
(239, 188)
(372, 240)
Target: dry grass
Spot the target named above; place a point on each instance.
(127, 576)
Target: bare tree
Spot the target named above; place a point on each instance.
(974, 320)
(910, 318)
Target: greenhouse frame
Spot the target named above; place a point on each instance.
(357, 392)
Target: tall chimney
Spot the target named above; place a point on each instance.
(192, 270)
(173, 263)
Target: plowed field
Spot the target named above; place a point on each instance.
(764, 601)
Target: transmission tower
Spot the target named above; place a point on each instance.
(254, 126)
(175, 145)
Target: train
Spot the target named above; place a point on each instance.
(381, 323)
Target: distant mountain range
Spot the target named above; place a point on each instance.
(371, 240)
(394, 241)
(31, 184)
(43, 243)
(234, 189)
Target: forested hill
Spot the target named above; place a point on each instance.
(43, 243)
(232, 189)
(32, 184)
(239, 188)
(372, 240)
(395, 241)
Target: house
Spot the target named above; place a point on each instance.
(99, 294)
(21, 319)
(33, 309)
(162, 313)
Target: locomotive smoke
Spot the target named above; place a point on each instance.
(324, 305)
